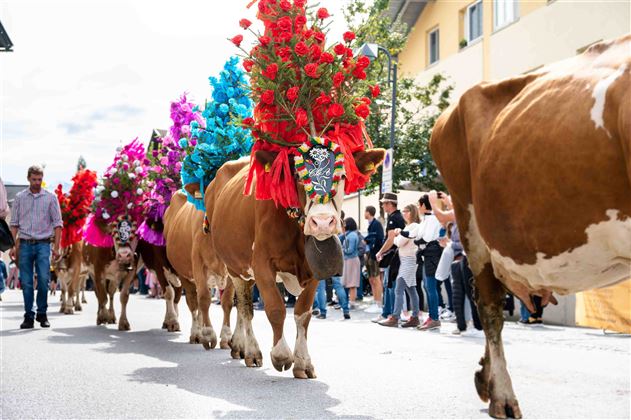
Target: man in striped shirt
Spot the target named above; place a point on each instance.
(35, 217)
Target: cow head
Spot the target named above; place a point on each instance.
(125, 243)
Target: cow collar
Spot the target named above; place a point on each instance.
(296, 214)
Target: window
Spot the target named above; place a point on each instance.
(504, 12)
(473, 22)
(433, 43)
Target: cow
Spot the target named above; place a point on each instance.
(256, 240)
(111, 268)
(539, 168)
(155, 260)
(187, 248)
(70, 272)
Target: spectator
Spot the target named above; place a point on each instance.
(406, 278)
(374, 240)
(13, 280)
(4, 204)
(429, 255)
(3, 277)
(321, 299)
(36, 217)
(351, 260)
(387, 256)
(443, 273)
(532, 318)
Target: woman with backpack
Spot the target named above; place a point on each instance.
(352, 266)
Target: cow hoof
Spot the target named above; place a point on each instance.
(308, 373)
(502, 409)
(194, 339)
(234, 354)
(254, 359)
(171, 326)
(281, 365)
(123, 325)
(224, 344)
(84, 300)
(164, 325)
(209, 338)
(78, 308)
(69, 311)
(61, 309)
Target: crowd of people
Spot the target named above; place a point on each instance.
(404, 266)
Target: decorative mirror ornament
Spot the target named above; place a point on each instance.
(320, 165)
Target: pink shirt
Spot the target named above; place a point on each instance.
(36, 215)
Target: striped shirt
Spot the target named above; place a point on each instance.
(36, 215)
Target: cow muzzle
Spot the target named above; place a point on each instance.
(124, 257)
(321, 226)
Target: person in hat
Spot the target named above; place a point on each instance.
(35, 218)
(395, 220)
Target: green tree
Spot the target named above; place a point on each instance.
(418, 107)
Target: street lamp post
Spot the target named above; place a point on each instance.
(372, 52)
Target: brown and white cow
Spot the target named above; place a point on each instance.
(539, 168)
(71, 274)
(258, 241)
(155, 260)
(111, 268)
(189, 251)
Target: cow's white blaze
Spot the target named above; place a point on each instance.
(478, 252)
(599, 94)
(603, 260)
(324, 220)
(290, 281)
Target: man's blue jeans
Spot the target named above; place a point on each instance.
(339, 291)
(432, 295)
(35, 255)
(523, 312)
(388, 296)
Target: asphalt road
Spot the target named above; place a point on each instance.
(78, 370)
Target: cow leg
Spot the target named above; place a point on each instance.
(170, 323)
(111, 290)
(101, 296)
(237, 342)
(83, 299)
(227, 298)
(252, 353)
(493, 381)
(123, 323)
(209, 338)
(303, 368)
(191, 301)
(282, 358)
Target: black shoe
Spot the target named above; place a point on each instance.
(43, 320)
(28, 323)
(321, 316)
(347, 316)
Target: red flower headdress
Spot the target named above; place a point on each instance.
(306, 96)
(75, 205)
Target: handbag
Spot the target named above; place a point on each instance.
(386, 259)
(6, 238)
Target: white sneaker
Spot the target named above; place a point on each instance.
(447, 315)
(373, 309)
(376, 320)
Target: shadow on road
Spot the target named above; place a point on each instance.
(212, 374)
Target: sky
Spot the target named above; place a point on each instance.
(88, 76)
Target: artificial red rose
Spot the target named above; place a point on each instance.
(237, 40)
(323, 99)
(338, 79)
(323, 13)
(284, 53)
(327, 58)
(248, 122)
(315, 52)
(285, 5)
(300, 3)
(363, 62)
(268, 97)
(247, 65)
(349, 52)
(319, 36)
(349, 36)
(265, 40)
(362, 111)
(284, 24)
(271, 71)
(365, 100)
(300, 21)
(308, 33)
(292, 93)
(301, 117)
(263, 7)
(375, 91)
(359, 73)
(301, 49)
(285, 37)
(339, 49)
(311, 70)
(335, 111)
(244, 23)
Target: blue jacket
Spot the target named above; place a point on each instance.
(375, 237)
(351, 245)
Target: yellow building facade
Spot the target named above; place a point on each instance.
(479, 40)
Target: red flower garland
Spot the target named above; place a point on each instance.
(75, 206)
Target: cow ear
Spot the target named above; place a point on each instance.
(193, 189)
(368, 161)
(265, 158)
